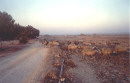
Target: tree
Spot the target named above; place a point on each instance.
(6, 26)
(10, 30)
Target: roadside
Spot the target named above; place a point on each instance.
(8, 47)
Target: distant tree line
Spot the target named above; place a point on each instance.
(9, 30)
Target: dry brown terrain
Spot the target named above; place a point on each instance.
(88, 59)
(69, 59)
(24, 65)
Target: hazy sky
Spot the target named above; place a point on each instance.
(70, 16)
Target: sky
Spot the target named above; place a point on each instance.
(58, 17)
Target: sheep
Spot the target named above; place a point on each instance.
(106, 51)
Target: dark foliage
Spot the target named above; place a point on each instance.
(9, 30)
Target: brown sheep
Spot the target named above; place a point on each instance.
(106, 51)
(55, 43)
(90, 52)
(121, 48)
(72, 47)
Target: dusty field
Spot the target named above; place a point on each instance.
(69, 59)
(88, 59)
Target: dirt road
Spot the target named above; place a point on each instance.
(18, 67)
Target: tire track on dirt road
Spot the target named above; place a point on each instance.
(17, 67)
